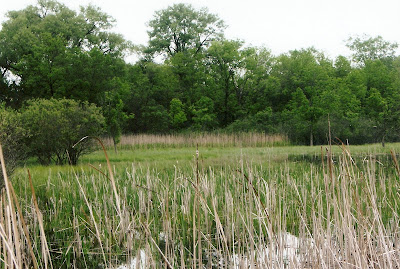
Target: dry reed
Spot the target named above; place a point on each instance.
(199, 139)
(16, 249)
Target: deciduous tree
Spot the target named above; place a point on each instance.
(371, 48)
(225, 61)
(49, 50)
(180, 27)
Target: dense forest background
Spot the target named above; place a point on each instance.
(190, 78)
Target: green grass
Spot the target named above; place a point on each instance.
(211, 154)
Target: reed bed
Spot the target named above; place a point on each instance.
(335, 214)
(16, 248)
(199, 139)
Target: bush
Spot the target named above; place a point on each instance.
(262, 121)
(12, 135)
(55, 126)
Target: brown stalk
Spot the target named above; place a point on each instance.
(104, 174)
(46, 252)
(13, 215)
(93, 219)
(146, 229)
(7, 246)
(259, 199)
(396, 163)
(117, 199)
(25, 229)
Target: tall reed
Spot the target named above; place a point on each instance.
(199, 139)
(16, 248)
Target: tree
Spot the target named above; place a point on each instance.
(371, 48)
(156, 118)
(204, 118)
(55, 126)
(379, 76)
(302, 116)
(379, 98)
(177, 114)
(225, 61)
(342, 108)
(304, 76)
(191, 73)
(307, 69)
(180, 27)
(152, 87)
(49, 51)
(255, 87)
(342, 67)
(113, 110)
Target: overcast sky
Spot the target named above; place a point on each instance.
(280, 25)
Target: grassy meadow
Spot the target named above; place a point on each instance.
(207, 202)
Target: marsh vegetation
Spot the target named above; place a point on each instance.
(211, 207)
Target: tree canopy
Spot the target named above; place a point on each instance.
(49, 50)
(367, 48)
(180, 27)
(205, 81)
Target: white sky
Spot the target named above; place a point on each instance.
(280, 25)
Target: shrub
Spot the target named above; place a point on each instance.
(55, 126)
(263, 122)
(12, 135)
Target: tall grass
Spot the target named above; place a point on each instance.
(342, 212)
(16, 249)
(200, 139)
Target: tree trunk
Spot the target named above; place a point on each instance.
(311, 138)
(226, 105)
(115, 145)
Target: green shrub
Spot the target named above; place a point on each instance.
(55, 126)
(12, 135)
(262, 121)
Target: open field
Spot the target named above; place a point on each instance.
(218, 207)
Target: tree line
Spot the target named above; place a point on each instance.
(191, 78)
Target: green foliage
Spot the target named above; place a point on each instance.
(293, 93)
(177, 114)
(191, 74)
(205, 81)
(203, 115)
(156, 117)
(263, 121)
(180, 27)
(55, 126)
(226, 60)
(12, 136)
(54, 52)
(113, 111)
(371, 48)
(342, 67)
